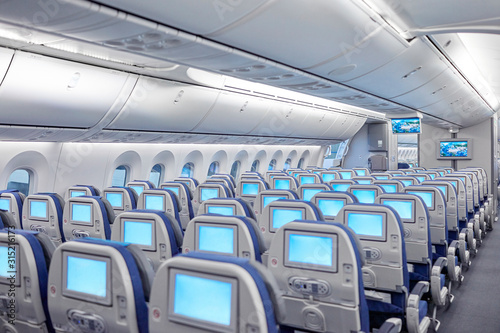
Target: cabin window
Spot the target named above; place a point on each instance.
(20, 180)
(235, 169)
(213, 169)
(188, 170)
(255, 166)
(272, 164)
(300, 165)
(120, 176)
(288, 162)
(156, 174)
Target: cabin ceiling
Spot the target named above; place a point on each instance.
(385, 56)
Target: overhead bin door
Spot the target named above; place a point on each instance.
(44, 91)
(159, 105)
(5, 59)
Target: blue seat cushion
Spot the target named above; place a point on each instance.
(422, 310)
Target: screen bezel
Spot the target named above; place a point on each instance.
(207, 208)
(6, 280)
(37, 218)
(9, 201)
(208, 188)
(107, 300)
(329, 199)
(151, 248)
(316, 267)
(146, 195)
(272, 229)
(88, 224)
(382, 238)
(203, 324)
(393, 120)
(115, 192)
(413, 211)
(442, 141)
(77, 191)
(246, 183)
(414, 192)
(200, 224)
(275, 179)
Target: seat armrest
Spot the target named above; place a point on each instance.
(454, 268)
(438, 294)
(413, 322)
(391, 325)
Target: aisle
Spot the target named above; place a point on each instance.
(477, 301)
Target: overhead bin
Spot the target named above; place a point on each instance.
(163, 106)
(317, 121)
(408, 71)
(44, 91)
(443, 85)
(38, 134)
(234, 114)
(282, 120)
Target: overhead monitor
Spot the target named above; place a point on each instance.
(75, 193)
(307, 180)
(202, 300)
(365, 196)
(330, 207)
(5, 204)
(38, 209)
(115, 199)
(87, 277)
(404, 208)
(267, 199)
(406, 125)
(281, 184)
(221, 209)
(327, 177)
(340, 187)
(250, 189)
(81, 213)
(154, 202)
(281, 216)
(137, 188)
(311, 250)
(140, 233)
(366, 225)
(345, 174)
(454, 149)
(389, 188)
(216, 238)
(209, 193)
(174, 189)
(427, 196)
(308, 193)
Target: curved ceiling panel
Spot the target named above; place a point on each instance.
(5, 59)
(51, 92)
(159, 105)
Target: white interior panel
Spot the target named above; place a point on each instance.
(74, 95)
(316, 123)
(159, 105)
(234, 114)
(375, 51)
(5, 59)
(288, 30)
(411, 69)
(282, 120)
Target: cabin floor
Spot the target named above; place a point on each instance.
(477, 300)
